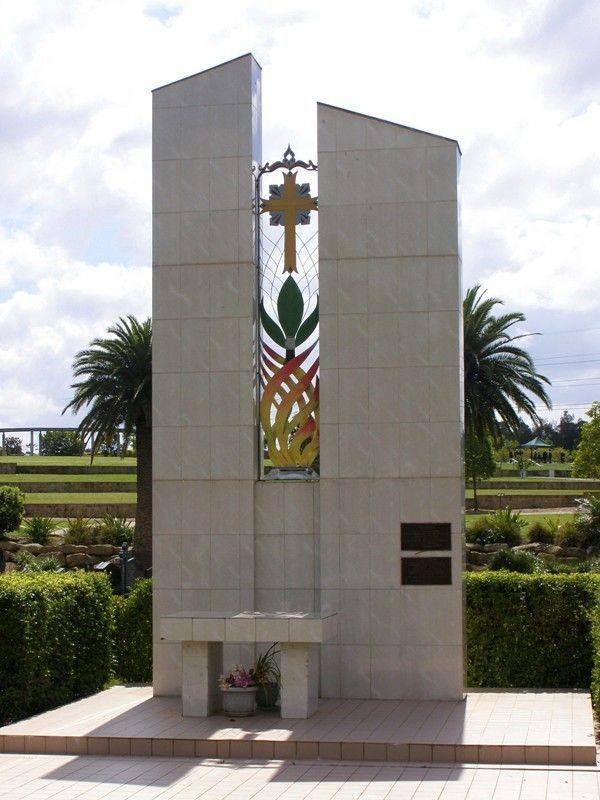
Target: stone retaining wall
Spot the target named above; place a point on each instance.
(83, 486)
(66, 555)
(71, 510)
(489, 502)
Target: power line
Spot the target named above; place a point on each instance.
(562, 333)
(566, 363)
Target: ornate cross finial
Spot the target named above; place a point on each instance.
(289, 205)
(289, 157)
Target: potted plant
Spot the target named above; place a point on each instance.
(267, 676)
(238, 692)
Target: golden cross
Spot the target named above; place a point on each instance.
(289, 203)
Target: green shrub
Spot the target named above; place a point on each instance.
(529, 630)
(12, 508)
(504, 525)
(517, 561)
(61, 443)
(587, 520)
(507, 525)
(133, 634)
(543, 532)
(114, 530)
(38, 529)
(569, 534)
(29, 563)
(478, 531)
(55, 632)
(595, 677)
(80, 531)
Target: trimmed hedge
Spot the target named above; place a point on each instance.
(595, 679)
(528, 631)
(55, 640)
(133, 634)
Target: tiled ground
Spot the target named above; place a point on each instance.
(489, 727)
(35, 777)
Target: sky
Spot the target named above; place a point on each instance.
(517, 83)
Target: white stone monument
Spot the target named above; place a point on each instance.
(313, 475)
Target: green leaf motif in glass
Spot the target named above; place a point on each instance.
(271, 327)
(290, 306)
(309, 324)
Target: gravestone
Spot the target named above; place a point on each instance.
(307, 401)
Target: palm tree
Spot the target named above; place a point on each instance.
(500, 377)
(115, 387)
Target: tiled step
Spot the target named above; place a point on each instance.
(528, 727)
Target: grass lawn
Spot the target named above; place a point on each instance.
(40, 477)
(538, 478)
(69, 461)
(529, 518)
(512, 492)
(81, 497)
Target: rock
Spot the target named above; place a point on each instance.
(555, 550)
(475, 557)
(101, 550)
(33, 548)
(10, 566)
(57, 555)
(574, 552)
(495, 547)
(473, 546)
(77, 560)
(69, 549)
(9, 545)
(533, 547)
(50, 548)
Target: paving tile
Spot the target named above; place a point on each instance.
(330, 750)
(307, 750)
(206, 748)
(444, 752)
(494, 727)
(183, 747)
(141, 747)
(119, 747)
(352, 751)
(162, 747)
(286, 750)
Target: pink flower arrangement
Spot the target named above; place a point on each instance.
(238, 678)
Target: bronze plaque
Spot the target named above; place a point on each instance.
(425, 536)
(429, 571)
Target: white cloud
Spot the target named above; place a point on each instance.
(516, 83)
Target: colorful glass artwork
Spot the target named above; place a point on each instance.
(289, 320)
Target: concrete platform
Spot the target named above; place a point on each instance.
(488, 727)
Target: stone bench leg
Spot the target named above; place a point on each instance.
(202, 663)
(299, 680)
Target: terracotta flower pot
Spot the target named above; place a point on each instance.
(239, 702)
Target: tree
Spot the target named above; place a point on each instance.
(479, 461)
(115, 387)
(568, 431)
(61, 443)
(500, 377)
(13, 446)
(586, 462)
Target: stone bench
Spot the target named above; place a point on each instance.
(202, 635)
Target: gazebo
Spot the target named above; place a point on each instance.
(537, 444)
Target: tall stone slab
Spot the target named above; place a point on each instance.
(206, 137)
(390, 390)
